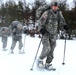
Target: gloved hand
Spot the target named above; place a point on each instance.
(14, 33)
(43, 31)
(25, 31)
(66, 27)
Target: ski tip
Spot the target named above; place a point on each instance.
(54, 69)
(31, 69)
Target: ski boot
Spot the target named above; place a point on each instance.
(21, 52)
(12, 52)
(4, 49)
(49, 67)
(40, 63)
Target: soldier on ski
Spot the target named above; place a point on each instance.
(48, 24)
(4, 35)
(16, 29)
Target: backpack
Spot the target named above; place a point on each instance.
(14, 24)
(41, 10)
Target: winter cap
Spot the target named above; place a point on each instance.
(54, 2)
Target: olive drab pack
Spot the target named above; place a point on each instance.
(45, 7)
(14, 24)
(41, 10)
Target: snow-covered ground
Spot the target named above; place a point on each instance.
(17, 64)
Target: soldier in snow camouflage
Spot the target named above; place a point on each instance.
(4, 35)
(48, 24)
(16, 28)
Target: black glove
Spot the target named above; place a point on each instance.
(43, 31)
(25, 31)
(66, 27)
(14, 33)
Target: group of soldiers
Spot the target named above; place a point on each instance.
(16, 30)
(47, 26)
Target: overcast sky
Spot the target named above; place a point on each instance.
(33, 0)
(70, 2)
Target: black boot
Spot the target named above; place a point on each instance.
(49, 67)
(40, 63)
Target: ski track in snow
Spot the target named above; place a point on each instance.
(20, 64)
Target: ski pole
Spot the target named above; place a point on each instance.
(24, 44)
(36, 55)
(64, 51)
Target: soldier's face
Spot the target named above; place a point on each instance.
(54, 8)
(20, 27)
